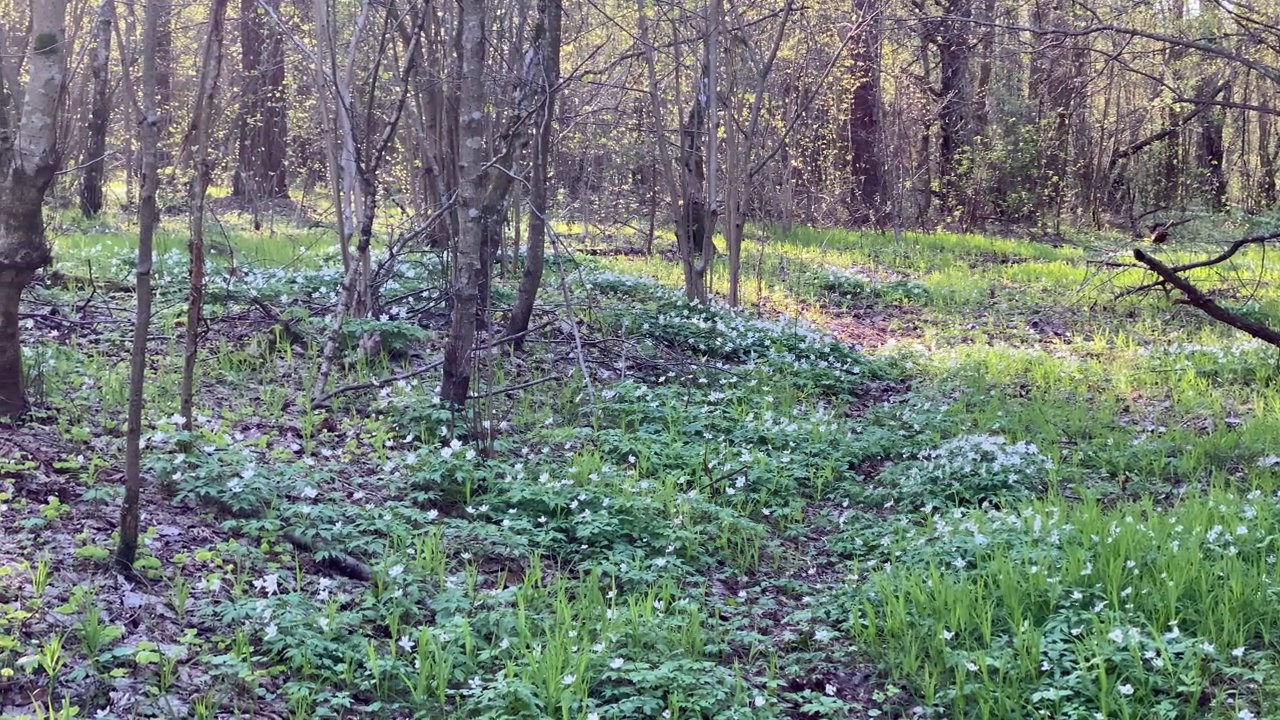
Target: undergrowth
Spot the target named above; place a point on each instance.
(1012, 500)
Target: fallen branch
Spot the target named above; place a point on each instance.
(323, 401)
(341, 563)
(336, 561)
(513, 388)
(294, 336)
(1203, 302)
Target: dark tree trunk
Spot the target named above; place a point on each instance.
(23, 250)
(549, 12)
(1054, 91)
(164, 60)
(99, 113)
(148, 219)
(954, 126)
(1266, 163)
(1212, 155)
(262, 142)
(865, 183)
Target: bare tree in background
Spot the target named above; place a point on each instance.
(546, 78)
(95, 160)
(262, 131)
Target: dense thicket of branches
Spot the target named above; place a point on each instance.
(873, 111)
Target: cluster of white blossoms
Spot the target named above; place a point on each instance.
(991, 452)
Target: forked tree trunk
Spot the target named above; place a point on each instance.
(549, 77)
(28, 160)
(148, 217)
(99, 113)
(472, 157)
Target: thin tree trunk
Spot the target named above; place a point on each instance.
(548, 80)
(954, 51)
(148, 217)
(202, 121)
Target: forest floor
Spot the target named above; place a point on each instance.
(926, 476)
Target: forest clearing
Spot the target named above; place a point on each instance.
(945, 483)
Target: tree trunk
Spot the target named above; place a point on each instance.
(735, 174)
(1212, 154)
(263, 133)
(201, 121)
(954, 52)
(548, 79)
(1266, 163)
(864, 116)
(472, 157)
(710, 212)
(27, 169)
(99, 113)
(148, 218)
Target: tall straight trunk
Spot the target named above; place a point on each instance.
(263, 133)
(201, 121)
(148, 218)
(549, 12)
(99, 112)
(330, 125)
(472, 157)
(657, 107)
(865, 175)
(954, 53)
(735, 175)
(27, 168)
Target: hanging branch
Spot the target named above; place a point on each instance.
(1196, 298)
